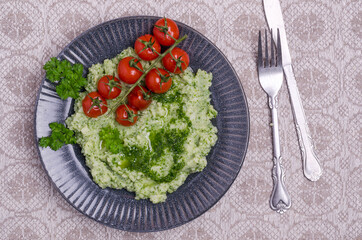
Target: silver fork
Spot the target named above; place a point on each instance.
(271, 77)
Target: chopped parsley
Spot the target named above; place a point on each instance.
(111, 140)
(142, 160)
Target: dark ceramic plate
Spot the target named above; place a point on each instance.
(118, 208)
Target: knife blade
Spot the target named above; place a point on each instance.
(311, 167)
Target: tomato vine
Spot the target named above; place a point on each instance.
(158, 59)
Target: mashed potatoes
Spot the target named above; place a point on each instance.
(169, 141)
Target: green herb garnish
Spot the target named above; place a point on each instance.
(110, 139)
(60, 136)
(68, 76)
(142, 159)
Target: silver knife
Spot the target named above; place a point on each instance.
(311, 167)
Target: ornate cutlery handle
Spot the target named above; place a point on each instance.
(311, 167)
(279, 200)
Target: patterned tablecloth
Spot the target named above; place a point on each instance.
(325, 39)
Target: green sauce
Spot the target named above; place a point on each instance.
(142, 159)
(172, 96)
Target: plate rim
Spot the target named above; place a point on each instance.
(246, 111)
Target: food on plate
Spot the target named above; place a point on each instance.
(109, 87)
(176, 61)
(140, 98)
(166, 31)
(126, 115)
(129, 70)
(144, 119)
(67, 76)
(60, 136)
(94, 105)
(158, 80)
(167, 143)
(147, 47)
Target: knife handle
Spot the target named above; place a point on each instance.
(311, 167)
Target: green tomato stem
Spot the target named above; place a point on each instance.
(121, 101)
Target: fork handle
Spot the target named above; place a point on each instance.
(311, 167)
(279, 200)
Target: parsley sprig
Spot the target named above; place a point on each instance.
(60, 136)
(67, 75)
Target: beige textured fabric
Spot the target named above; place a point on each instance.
(325, 39)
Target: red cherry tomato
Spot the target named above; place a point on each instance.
(163, 30)
(147, 47)
(178, 63)
(109, 87)
(140, 98)
(94, 105)
(129, 73)
(158, 80)
(126, 115)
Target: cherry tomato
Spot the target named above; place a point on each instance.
(158, 80)
(126, 115)
(147, 47)
(94, 105)
(163, 30)
(178, 63)
(109, 87)
(129, 70)
(140, 98)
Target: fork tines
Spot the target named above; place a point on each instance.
(274, 60)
